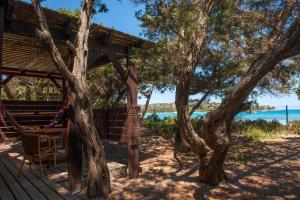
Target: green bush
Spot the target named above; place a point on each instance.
(258, 129)
(295, 126)
(260, 124)
(166, 126)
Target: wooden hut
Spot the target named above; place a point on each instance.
(22, 54)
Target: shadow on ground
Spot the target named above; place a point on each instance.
(256, 170)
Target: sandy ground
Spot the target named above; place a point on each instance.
(256, 170)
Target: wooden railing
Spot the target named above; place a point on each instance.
(28, 113)
(111, 123)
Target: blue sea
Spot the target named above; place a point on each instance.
(269, 115)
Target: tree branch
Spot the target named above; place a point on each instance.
(81, 45)
(198, 104)
(45, 36)
(148, 96)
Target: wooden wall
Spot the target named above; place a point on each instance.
(111, 123)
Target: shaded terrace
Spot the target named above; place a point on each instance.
(22, 54)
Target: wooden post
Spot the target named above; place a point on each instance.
(133, 126)
(2, 18)
(287, 114)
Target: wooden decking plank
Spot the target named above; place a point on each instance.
(14, 185)
(57, 175)
(5, 193)
(62, 192)
(25, 183)
(59, 188)
(37, 181)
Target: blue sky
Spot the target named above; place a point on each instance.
(121, 16)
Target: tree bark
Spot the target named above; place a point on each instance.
(214, 130)
(98, 172)
(212, 144)
(148, 96)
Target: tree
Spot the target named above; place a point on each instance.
(260, 37)
(82, 118)
(106, 87)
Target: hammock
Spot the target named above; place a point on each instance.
(58, 117)
(10, 118)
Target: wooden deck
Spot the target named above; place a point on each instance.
(30, 185)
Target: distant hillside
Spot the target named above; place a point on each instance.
(170, 107)
(207, 107)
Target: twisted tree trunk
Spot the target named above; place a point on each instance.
(80, 100)
(98, 172)
(213, 142)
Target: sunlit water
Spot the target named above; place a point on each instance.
(269, 115)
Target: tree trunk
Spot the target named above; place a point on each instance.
(98, 172)
(187, 134)
(213, 172)
(199, 103)
(82, 118)
(147, 103)
(214, 129)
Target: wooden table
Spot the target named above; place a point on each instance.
(45, 131)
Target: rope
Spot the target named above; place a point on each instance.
(10, 118)
(58, 117)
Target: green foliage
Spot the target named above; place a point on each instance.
(238, 32)
(73, 13)
(170, 107)
(166, 126)
(258, 129)
(30, 88)
(259, 123)
(295, 126)
(106, 87)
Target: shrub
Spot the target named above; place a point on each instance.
(258, 129)
(165, 126)
(295, 126)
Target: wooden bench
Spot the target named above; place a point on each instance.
(28, 113)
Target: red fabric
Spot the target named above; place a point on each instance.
(10, 118)
(59, 115)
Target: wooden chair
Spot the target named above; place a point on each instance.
(36, 147)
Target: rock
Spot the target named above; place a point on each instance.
(117, 170)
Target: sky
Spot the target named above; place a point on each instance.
(121, 16)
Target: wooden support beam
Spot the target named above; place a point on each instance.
(29, 73)
(3, 4)
(133, 125)
(117, 65)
